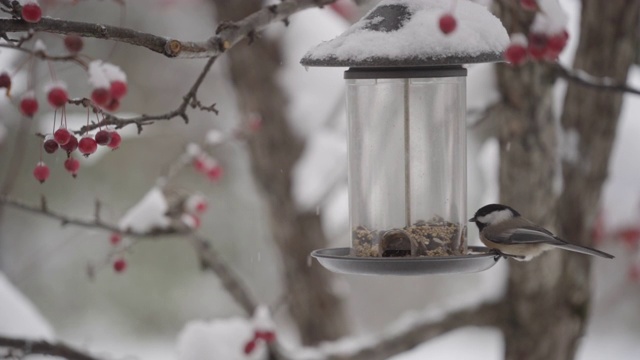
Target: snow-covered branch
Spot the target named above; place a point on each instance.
(95, 223)
(227, 34)
(23, 348)
(406, 336)
(602, 83)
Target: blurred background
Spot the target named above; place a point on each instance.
(140, 313)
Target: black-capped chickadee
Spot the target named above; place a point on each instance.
(504, 230)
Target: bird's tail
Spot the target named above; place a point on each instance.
(585, 250)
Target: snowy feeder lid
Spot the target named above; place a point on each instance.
(405, 33)
(406, 106)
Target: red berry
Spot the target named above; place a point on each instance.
(72, 165)
(50, 146)
(119, 265)
(31, 12)
(531, 5)
(557, 42)
(5, 81)
(201, 207)
(70, 146)
(447, 23)
(62, 136)
(113, 105)
(115, 239)
(103, 137)
(118, 89)
(41, 172)
(268, 336)
(73, 43)
(215, 173)
(87, 146)
(57, 97)
(537, 45)
(516, 54)
(200, 164)
(250, 346)
(115, 141)
(28, 105)
(101, 96)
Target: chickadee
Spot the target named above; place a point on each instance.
(504, 230)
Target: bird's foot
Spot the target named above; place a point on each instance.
(500, 254)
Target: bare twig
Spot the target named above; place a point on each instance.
(92, 224)
(41, 347)
(140, 121)
(227, 34)
(602, 83)
(210, 260)
(44, 56)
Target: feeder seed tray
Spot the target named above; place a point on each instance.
(341, 261)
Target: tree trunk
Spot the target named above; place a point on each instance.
(274, 150)
(549, 296)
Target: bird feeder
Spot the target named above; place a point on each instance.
(406, 105)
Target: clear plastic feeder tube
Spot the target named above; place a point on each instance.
(407, 162)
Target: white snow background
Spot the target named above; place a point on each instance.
(320, 184)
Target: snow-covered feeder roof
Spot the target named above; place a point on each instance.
(405, 33)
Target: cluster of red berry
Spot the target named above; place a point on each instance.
(110, 86)
(194, 207)
(538, 45)
(205, 164)
(120, 264)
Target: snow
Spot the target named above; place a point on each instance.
(621, 195)
(54, 84)
(478, 32)
(101, 74)
(218, 339)
(215, 137)
(519, 39)
(39, 46)
(322, 164)
(18, 316)
(319, 89)
(148, 214)
(552, 19)
(262, 320)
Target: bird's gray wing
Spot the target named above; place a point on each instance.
(527, 235)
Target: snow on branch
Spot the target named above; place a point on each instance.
(25, 348)
(602, 83)
(95, 223)
(227, 34)
(408, 336)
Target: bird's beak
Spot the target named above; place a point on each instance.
(473, 219)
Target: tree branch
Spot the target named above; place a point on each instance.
(227, 35)
(602, 83)
(189, 100)
(211, 260)
(394, 342)
(86, 223)
(41, 347)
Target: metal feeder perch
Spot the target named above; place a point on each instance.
(406, 104)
